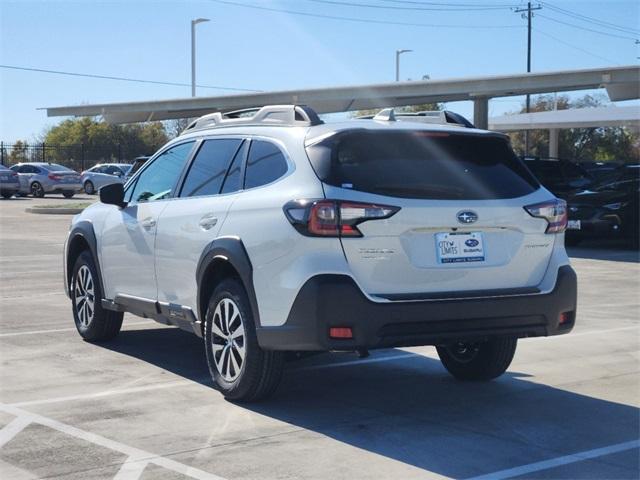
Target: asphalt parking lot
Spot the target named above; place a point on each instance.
(142, 406)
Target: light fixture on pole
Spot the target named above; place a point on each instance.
(398, 53)
(193, 52)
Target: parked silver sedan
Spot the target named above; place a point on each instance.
(103, 174)
(9, 182)
(40, 178)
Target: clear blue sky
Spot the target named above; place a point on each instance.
(267, 50)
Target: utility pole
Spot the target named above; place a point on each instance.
(398, 53)
(193, 52)
(529, 15)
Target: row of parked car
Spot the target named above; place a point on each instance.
(602, 197)
(41, 178)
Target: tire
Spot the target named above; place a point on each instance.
(249, 378)
(89, 189)
(7, 195)
(68, 194)
(94, 323)
(478, 361)
(37, 190)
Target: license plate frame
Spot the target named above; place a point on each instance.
(460, 247)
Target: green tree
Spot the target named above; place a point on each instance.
(407, 109)
(18, 152)
(98, 141)
(598, 144)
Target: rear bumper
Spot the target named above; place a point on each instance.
(63, 187)
(327, 301)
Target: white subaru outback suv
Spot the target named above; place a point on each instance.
(269, 231)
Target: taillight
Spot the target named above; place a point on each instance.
(553, 211)
(333, 218)
(53, 176)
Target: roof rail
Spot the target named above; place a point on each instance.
(444, 117)
(290, 115)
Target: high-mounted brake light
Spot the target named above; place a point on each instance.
(333, 218)
(553, 211)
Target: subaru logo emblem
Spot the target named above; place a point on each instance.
(467, 216)
(472, 242)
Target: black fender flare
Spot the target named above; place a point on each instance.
(83, 230)
(232, 251)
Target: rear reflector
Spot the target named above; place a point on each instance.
(554, 212)
(565, 317)
(340, 332)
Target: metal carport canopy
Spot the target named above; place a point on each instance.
(571, 118)
(622, 83)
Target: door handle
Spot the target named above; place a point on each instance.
(148, 223)
(208, 221)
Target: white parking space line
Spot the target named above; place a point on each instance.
(107, 393)
(131, 469)
(56, 330)
(132, 452)
(12, 429)
(559, 461)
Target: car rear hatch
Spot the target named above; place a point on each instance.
(452, 219)
(64, 176)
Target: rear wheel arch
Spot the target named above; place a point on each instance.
(222, 259)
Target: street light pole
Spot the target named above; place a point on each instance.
(398, 53)
(193, 53)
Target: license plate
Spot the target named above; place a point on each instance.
(459, 247)
(574, 225)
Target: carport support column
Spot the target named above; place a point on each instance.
(481, 113)
(553, 142)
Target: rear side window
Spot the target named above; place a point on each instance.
(423, 165)
(265, 164)
(209, 168)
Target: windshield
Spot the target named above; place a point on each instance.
(422, 164)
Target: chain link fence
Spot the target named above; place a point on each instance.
(77, 157)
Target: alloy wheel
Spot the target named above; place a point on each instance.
(228, 340)
(84, 296)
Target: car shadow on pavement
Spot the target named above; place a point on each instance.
(406, 407)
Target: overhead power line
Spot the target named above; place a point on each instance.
(361, 20)
(580, 27)
(594, 21)
(575, 47)
(422, 7)
(123, 79)
(460, 5)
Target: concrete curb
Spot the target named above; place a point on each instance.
(54, 211)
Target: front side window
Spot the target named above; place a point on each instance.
(158, 180)
(209, 168)
(265, 164)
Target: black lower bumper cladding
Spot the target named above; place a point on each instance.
(327, 301)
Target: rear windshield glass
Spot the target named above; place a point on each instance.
(54, 167)
(423, 165)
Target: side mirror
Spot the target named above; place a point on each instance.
(113, 194)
